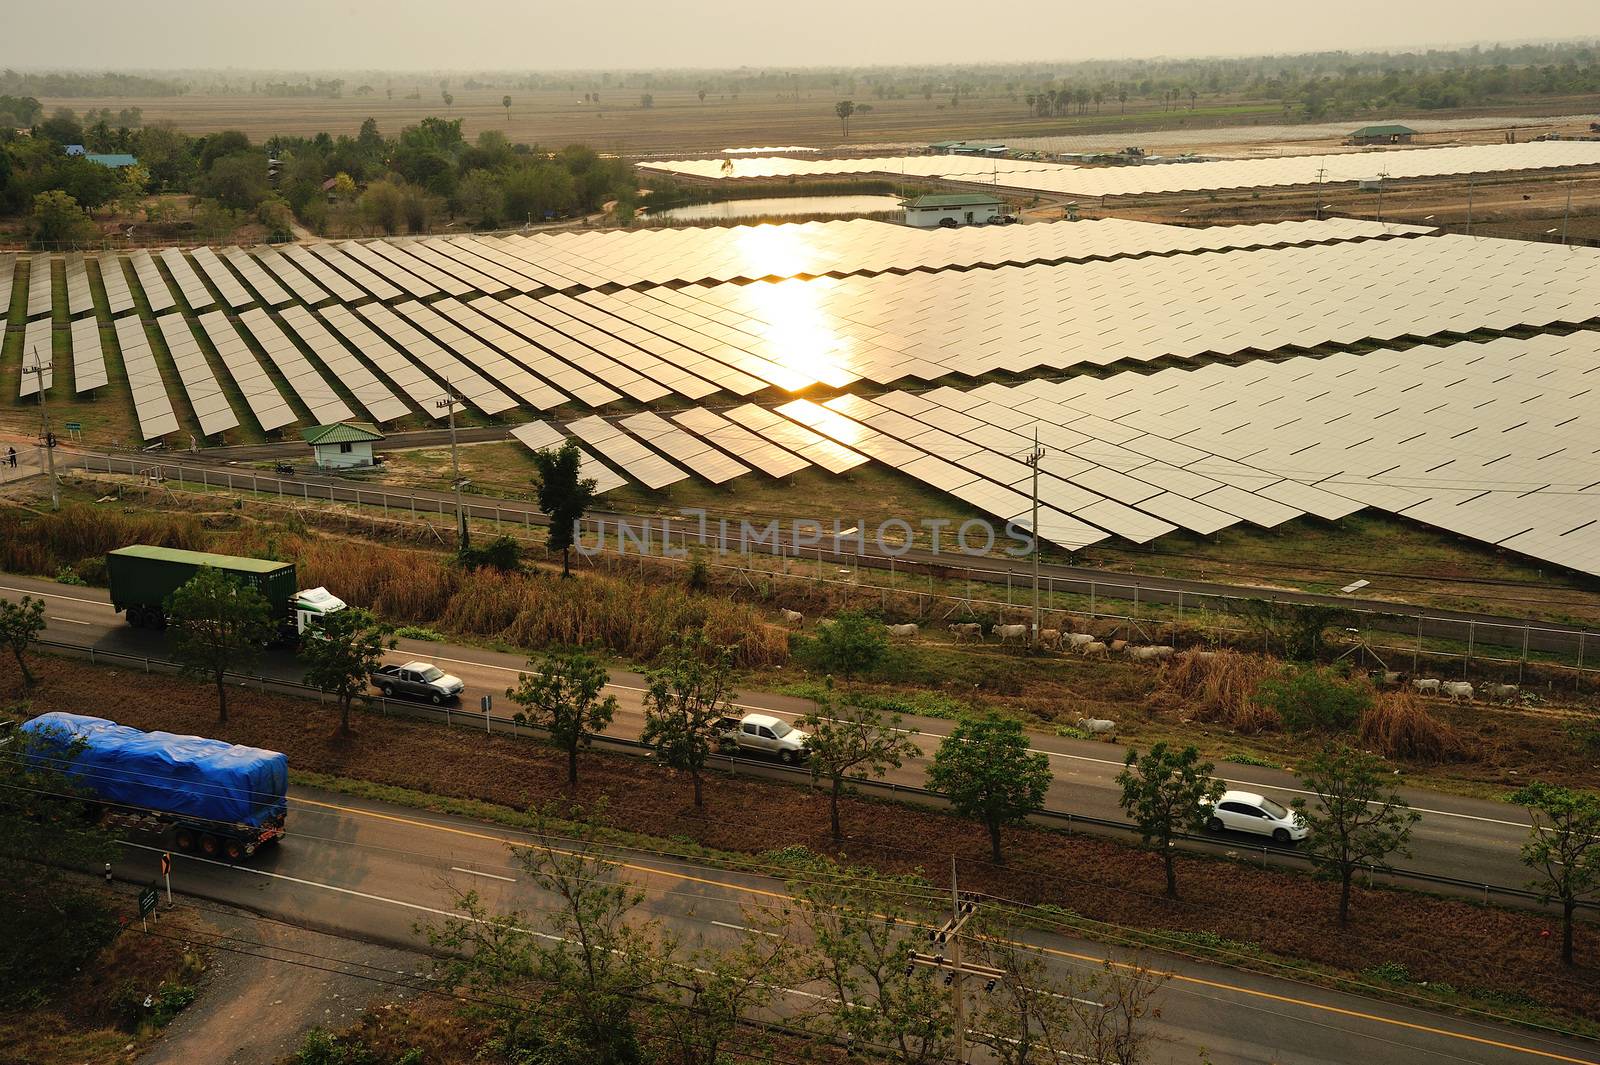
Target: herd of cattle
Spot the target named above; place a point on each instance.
(1091, 646)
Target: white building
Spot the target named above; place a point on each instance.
(343, 444)
(960, 208)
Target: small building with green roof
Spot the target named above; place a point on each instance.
(1388, 133)
(960, 208)
(342, 444)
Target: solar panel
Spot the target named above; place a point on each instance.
(463, 380)
(194, 290)
(493, 365)
(268, 290)
(80, 299)
(260, 394)
(151, 404)
(40, 297)
(8, 270)
(298, 275)
(416, 277)
(306, 381)
(206, 397)
(692, 453)
(741, 443)
(381, 404)
(540, 436)
(373, 272)
(425, 393)
(88, 355)
(626, 452)
(38, 360)
(156, 293)
(339, 273)
(232, 291)
(119, 299)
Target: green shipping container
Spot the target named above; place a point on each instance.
(143, 577)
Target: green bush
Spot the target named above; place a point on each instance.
(853, 644)
(502, 554)
(320, 1047)
(1315, 700)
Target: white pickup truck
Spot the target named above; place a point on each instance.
(762, 734)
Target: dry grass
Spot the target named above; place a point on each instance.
(1220, 687)
(1399, 726)
(44, 542)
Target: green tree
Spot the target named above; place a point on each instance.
(1564, 848)
(844, 109)
(852, 644)
(863, 928)
(57, 219)
(505, 102)
(382, 206)
(572, 987)
(480, 199)
(683, 699)
(564, 496)
(342, 653)
(276, 214)
(20, 625)
(1314, 699)
(561, 695)
(714, 991)
(987, 771)
(1359, 818)
(1167, 792)
(132, 184)
(238, 182)
(853, 740)
(218, 623)
(344, 186)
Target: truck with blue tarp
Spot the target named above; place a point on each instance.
(142, 579)
(220, 800)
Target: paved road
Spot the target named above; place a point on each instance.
(373, 871)
(1468, 839)
(1130, 590)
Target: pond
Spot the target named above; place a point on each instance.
(779, 205)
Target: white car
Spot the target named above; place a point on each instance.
(1245, 811)
(764, 734)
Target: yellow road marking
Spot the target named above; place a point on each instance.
(1179, 977)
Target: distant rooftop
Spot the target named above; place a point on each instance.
(953, 199)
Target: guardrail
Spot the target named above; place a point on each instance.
(456, 717)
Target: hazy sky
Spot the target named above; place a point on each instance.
(540, 35)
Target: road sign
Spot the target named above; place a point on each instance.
(166, 863)
(74, 427)
(147, 903)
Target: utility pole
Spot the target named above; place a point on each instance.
(448, 404)
(948, 936)
(1035, 457)
(40, 369)
(1381, 177)
(1470, 182)
(1322, 172)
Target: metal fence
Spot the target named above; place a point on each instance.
(1558, 658)
(1264, 854)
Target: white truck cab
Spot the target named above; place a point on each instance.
(764, 734)
(311, 606)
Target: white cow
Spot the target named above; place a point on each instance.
(1099, 726)
(1050, 638)
(1458, 690)
(1157, 653)
(908, 629)
(1008, 633)
(793, 617)
(1426, 685)
(1505, 693)
(1094, 649)
(968, 630)
(1079, 640)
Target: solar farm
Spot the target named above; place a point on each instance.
(1032, 176)
(1194, 379)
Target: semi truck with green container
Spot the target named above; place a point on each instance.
(143, 578)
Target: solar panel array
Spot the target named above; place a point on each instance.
(297, 280)
(1013, 174)
(156, 292)
(38, 366)
(8, 271)
(119, 298)
(210, 405)
(538, 436)
(195, 293)
(313, 391)
(233, 293)
(260, 394)
(39, 286)
(150, 402)
(80, 299)
(462, 379)
(381, 404)
(270, 292)
(88, 356)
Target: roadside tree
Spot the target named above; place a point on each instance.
(1563, 847)
(564, 496)
(57, 220)
(217, 624)
(341, 655)
(852, 644)
(683, 701)
(853, 741)
(561, 694)
(988, 772)
(1359, 818)
(20, 625)
(1167, 792)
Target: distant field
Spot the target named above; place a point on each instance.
(679, 122)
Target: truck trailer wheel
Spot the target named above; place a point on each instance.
(210, 845)
(233, 850)
(184, 840)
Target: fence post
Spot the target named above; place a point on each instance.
(1523, 663)
(1472, 632)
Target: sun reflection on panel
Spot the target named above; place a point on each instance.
(799, 332)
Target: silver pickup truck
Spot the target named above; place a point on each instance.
(762, 734)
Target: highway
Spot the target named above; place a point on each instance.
(1467, 839)
(369, 870)
(213, 467)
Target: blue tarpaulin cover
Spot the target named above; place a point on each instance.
(190, 776)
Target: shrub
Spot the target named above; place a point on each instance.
(1314, 700)
(502, 554)
(1398, 725)
(854, 643)
(1220, 687)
